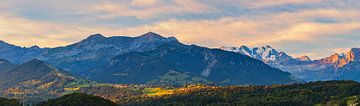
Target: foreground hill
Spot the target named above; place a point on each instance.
(6, 66)
(330, 93)
(9, 102)
(78, 99)
(179, 64)
(35, 81)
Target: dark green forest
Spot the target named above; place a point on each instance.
(340, 93)
(9, 102)
(78, 99)
(315, 93)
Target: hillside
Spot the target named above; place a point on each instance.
(330, 92)
(6, 66)
(315, 93)
(78, 99)
(35, 81)
(9, 102)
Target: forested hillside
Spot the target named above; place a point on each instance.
(9, 102)
(78, 99)
(331, 92)
(340, 93)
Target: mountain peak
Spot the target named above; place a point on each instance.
(304, 58)
(268, 46)
(152, 35)
(353, 54)
(244, 47)
(2, 43)
(35, 47)
(96, 36)
(93, 38)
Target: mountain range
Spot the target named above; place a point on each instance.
(100, 65)
(335, 67)
(148, 59)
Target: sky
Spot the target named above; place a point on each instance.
(316, 28)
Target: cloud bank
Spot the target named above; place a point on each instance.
(316, 28)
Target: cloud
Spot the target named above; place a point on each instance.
(254, 4)
(142, 3)
(26, 32)
(339, 50)
(312, 31)
(112, 10)
(318, 25)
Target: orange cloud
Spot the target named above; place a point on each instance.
(266, 29)
(178, 7)
(144, 2)
(213, 33)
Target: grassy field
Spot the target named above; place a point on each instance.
(157, 91)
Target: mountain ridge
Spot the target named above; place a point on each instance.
(93, 54)
(214, 65)
(327, 68)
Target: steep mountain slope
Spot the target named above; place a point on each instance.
(36, 79)
(214, 65)
(6, 66)
(351, 70)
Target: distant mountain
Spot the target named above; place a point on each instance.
(202, 64)
(304, 58)
(37, 79)
(265, 53)
(303, 67)
(351, 65)
(96, 50)
(16, 54)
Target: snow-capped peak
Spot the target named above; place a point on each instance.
(264, 53)
(304, 58)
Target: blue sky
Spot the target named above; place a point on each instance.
(316, 28)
